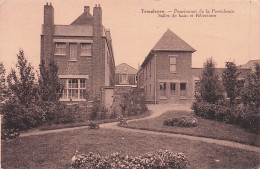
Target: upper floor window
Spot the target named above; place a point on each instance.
(73, 51)
(123, 79)
(85, 49)
(173, 63)
(60, 48)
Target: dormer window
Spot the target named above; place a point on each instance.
(60, 48)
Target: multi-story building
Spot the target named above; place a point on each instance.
(166, 74)
(83, 52)
(125, 75)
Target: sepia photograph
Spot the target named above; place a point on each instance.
(131, 84)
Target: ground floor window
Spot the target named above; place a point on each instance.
(183, 89)
(173, 88)
(74, 89)
(163, 89)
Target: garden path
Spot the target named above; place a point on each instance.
(157, 111)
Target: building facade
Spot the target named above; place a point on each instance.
(166, 74)
(125, 75)
(83, 52)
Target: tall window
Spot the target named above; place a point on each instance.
(60, 48)
(173, 88)
(173, 64)
(183, 89)
(73, 51)
(74, 89)
(123, 79)
(163, 89)
(85, 49)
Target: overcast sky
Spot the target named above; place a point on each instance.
(226, 37)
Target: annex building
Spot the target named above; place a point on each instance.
(166, 74)
(83, 52)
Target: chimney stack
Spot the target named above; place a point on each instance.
(86, 9)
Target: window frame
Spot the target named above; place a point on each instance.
(173, 64)
(57, 50)
(76, 52)
(69, 87)
(163, 88)
(173, 91)
(183, 92)
(88, 50)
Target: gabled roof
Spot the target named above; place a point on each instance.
(84, 19)
(250, 64)
(171, 42)
(125, 68)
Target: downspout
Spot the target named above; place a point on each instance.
(155, 84)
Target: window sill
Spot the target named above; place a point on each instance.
(73, 100)
(72, 60)
(56, 54)
(85, 55)
(163, 98)
(183, 97)
(174, 72)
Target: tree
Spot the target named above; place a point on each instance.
(251, 91)
(210, 88)
(49, 84)
(230, 81)
(3, 87)
(23, 85)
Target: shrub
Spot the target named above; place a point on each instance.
(185, 121)
(93, 125)
(159, 159)
(121, 121)
(9, 133)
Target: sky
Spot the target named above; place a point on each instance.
(227, 37)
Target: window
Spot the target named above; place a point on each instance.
(163, 89)
(60, 48)
(74, 89)
(123, 79)
(73, 51)
(173, 64)
(85, 49)
(183, 91)
(173, 88)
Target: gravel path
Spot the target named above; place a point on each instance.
(157, 111)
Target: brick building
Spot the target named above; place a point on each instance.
(125, 75)
(166, 74)
(83, 52)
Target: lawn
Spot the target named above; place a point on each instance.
(56, 150)
(205, 128)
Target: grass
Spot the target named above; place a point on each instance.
(205, 128)
(56, 150)
(86, 123)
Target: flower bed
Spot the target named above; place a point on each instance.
(184, 121)
(158, 159)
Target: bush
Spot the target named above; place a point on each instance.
(121, 121)
(93, 125)
(9, 133)
(21, 116)
(159, 159)
(185, 121)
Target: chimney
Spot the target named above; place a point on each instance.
(86, 9)
(97, 20)
(48, 14)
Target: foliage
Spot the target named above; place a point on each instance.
(209, 87)
(121, 121)
(128, 103)
(251, 91)
(20, 116)
(9, 134)
(185, 121)
(49, 84)
(23, 86)
(93, 125)
(3, 87)
(245, 116)
(159, 159)
(230, 81)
